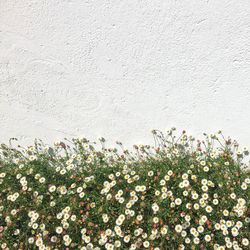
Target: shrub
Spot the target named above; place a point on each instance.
(179, 194)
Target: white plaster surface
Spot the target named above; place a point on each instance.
(118, 69)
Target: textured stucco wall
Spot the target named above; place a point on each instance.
(121, 68)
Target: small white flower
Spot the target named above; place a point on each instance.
(245, 242)
(209, 209)
(178, 201)
(146, 244)
(52, 188)
(178, 228)
(59, 230)
(207, 238)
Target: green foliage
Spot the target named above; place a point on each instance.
(179, 194)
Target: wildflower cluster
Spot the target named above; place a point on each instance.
(179, 194)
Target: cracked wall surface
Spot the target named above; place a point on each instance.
(118, 69)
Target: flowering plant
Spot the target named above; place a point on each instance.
(178, 194)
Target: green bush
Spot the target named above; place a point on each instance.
(179, 194)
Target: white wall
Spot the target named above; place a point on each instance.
(121, 68)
